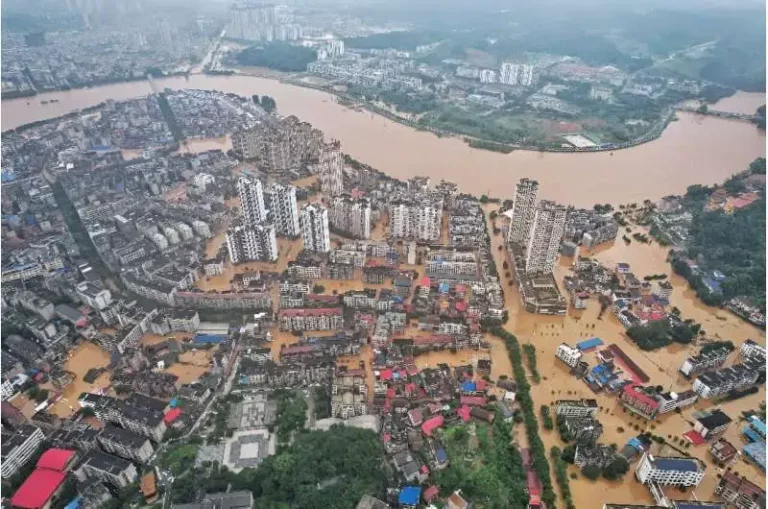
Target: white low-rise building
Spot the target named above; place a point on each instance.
(568, 354)
(670, 471)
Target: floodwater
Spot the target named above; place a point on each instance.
(546, 333)
(694, 149)
(740, 102)
(84, 357)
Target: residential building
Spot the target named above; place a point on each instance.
(716, 383)
(314, 227)
(569, 355)
(251, 201)
(595, 455)
(576, 407)
(252, 243)
(670, 471)
(418, 219)
(516, 74)
(523, 211)
(108, 468)
(19, 447)
(722, 451)
(739, 492)
(349, 394)
(669, 401)
(186, 321)
(45, 482)
(125, 444)
(285, 212)
(311, 319)
(583, 429)
(94, 295)
(750, 349)
(229, 500)
(351, 216)
(546, 234)
(706, 360)
(331, 168)
(713, 424)
(636, 400)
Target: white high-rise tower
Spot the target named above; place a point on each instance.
(314, 227)
(546, 235)
(252, 201)
(331, 169)
(523, 210)
(285, 210)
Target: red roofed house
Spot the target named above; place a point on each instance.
(432, 424)
(46, 481)
(430, 494)
(172, 415)
(463, 412)
(639, 402)
(472, 400)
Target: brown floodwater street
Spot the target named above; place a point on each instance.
(693, 150)
(81, 359)
(547, 332)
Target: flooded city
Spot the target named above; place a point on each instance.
(694, 149)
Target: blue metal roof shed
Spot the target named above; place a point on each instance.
(589, 344)
(409, 496)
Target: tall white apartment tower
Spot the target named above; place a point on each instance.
(545, 237)
(252, 200)
(351, 216)
(284, 210)
(523, 210)
(314, 227)
(252, 243)
(331, 169)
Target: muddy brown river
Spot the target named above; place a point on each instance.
(694, 149)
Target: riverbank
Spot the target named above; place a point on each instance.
(692, 150)
(481, 143)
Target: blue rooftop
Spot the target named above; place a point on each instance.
(676, 464)
(590, 343)
(756, 423)
(409, 495)
(756, 451)
(74, 504)
(441, 455)
(469, 386)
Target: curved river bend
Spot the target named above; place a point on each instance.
(692, 150)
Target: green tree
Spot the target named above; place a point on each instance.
(591, 472)
(318, 288)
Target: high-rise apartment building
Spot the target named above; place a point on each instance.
(314, 227)
(419, 218)
(544, 240)
(523, 210)
(251, 200)
(351, 216)
(285, 212)
(331, 169)
(252, 243)
(516, 74)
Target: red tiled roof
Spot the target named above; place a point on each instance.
(633, 393)
(310, 312)
(432, 424)
(431, 493)
(424, 281)
(461, 306)
(463, 412)
(172, 415)
(385, 375)
(694, 437)
(472, 400)
(403, 374)
(38, 488)
(480, 385)
(55, 459)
